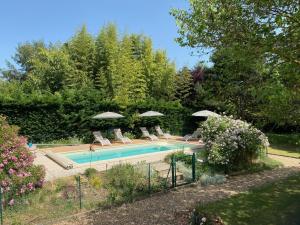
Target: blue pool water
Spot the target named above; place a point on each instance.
(126, 151)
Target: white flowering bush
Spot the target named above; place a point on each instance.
(232, 144)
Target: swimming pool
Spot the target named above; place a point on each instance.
(124, 151)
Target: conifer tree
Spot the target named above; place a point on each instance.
(184, 85)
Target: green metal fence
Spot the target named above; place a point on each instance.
(80, 193)
(187, 173)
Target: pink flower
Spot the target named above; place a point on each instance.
(4, 183)
(11, 171)
(15, 161)
(23, 189)
(40, 183)
(30, 186)
(11, 202)
(14, 158)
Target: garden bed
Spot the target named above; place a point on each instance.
(174, 207)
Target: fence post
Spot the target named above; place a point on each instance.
(173, 171)
(149, 178)
(194, 167)
(1, 208)
(79, 191)
(173, 164)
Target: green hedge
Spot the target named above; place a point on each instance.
(48, 121)
(284, 139)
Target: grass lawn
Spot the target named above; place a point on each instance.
(285, 151)
(274, 204)
(284, 144)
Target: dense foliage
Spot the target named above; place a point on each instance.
(123, 68)
(255, 51)
(290, 140)
(232, 144)
(18, 175)
(65, 116)
(51, 90)
(55, 89)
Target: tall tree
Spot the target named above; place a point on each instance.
(123, 79)
(138, 86)
(107, 46)
(124, 68)
(163, 76)
(269, 27)
(81, 48)
(252, 41)
(184, 86)
(148, 64)
(26, 52)
(23, 58)
(51, 70)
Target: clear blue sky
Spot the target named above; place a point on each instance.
(57, 20)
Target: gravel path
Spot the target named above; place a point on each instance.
(169, 208)
(286, 161)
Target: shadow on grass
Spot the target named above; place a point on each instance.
(285, 150)
(273, 204)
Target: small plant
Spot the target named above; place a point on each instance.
(69, 192)
(123, 182)
(129, 135)
(156, 182)
(95, 182)
(179, 156)
(89, 172)
(60, 184)
(198, 218)
(187, 172)
(206, 179)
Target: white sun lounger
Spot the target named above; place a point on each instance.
(193, 136)
(120, 137)
(146, 134)
(161, 133)
(99, 138)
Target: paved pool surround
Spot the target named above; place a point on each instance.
(55, 171)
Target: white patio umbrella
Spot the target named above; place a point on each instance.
(150, 114)
(205, 113)
(108, 115)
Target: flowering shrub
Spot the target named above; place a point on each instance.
(18, 175)
(232, 144)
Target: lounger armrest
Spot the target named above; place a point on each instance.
(153, 137)
(187, 136)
